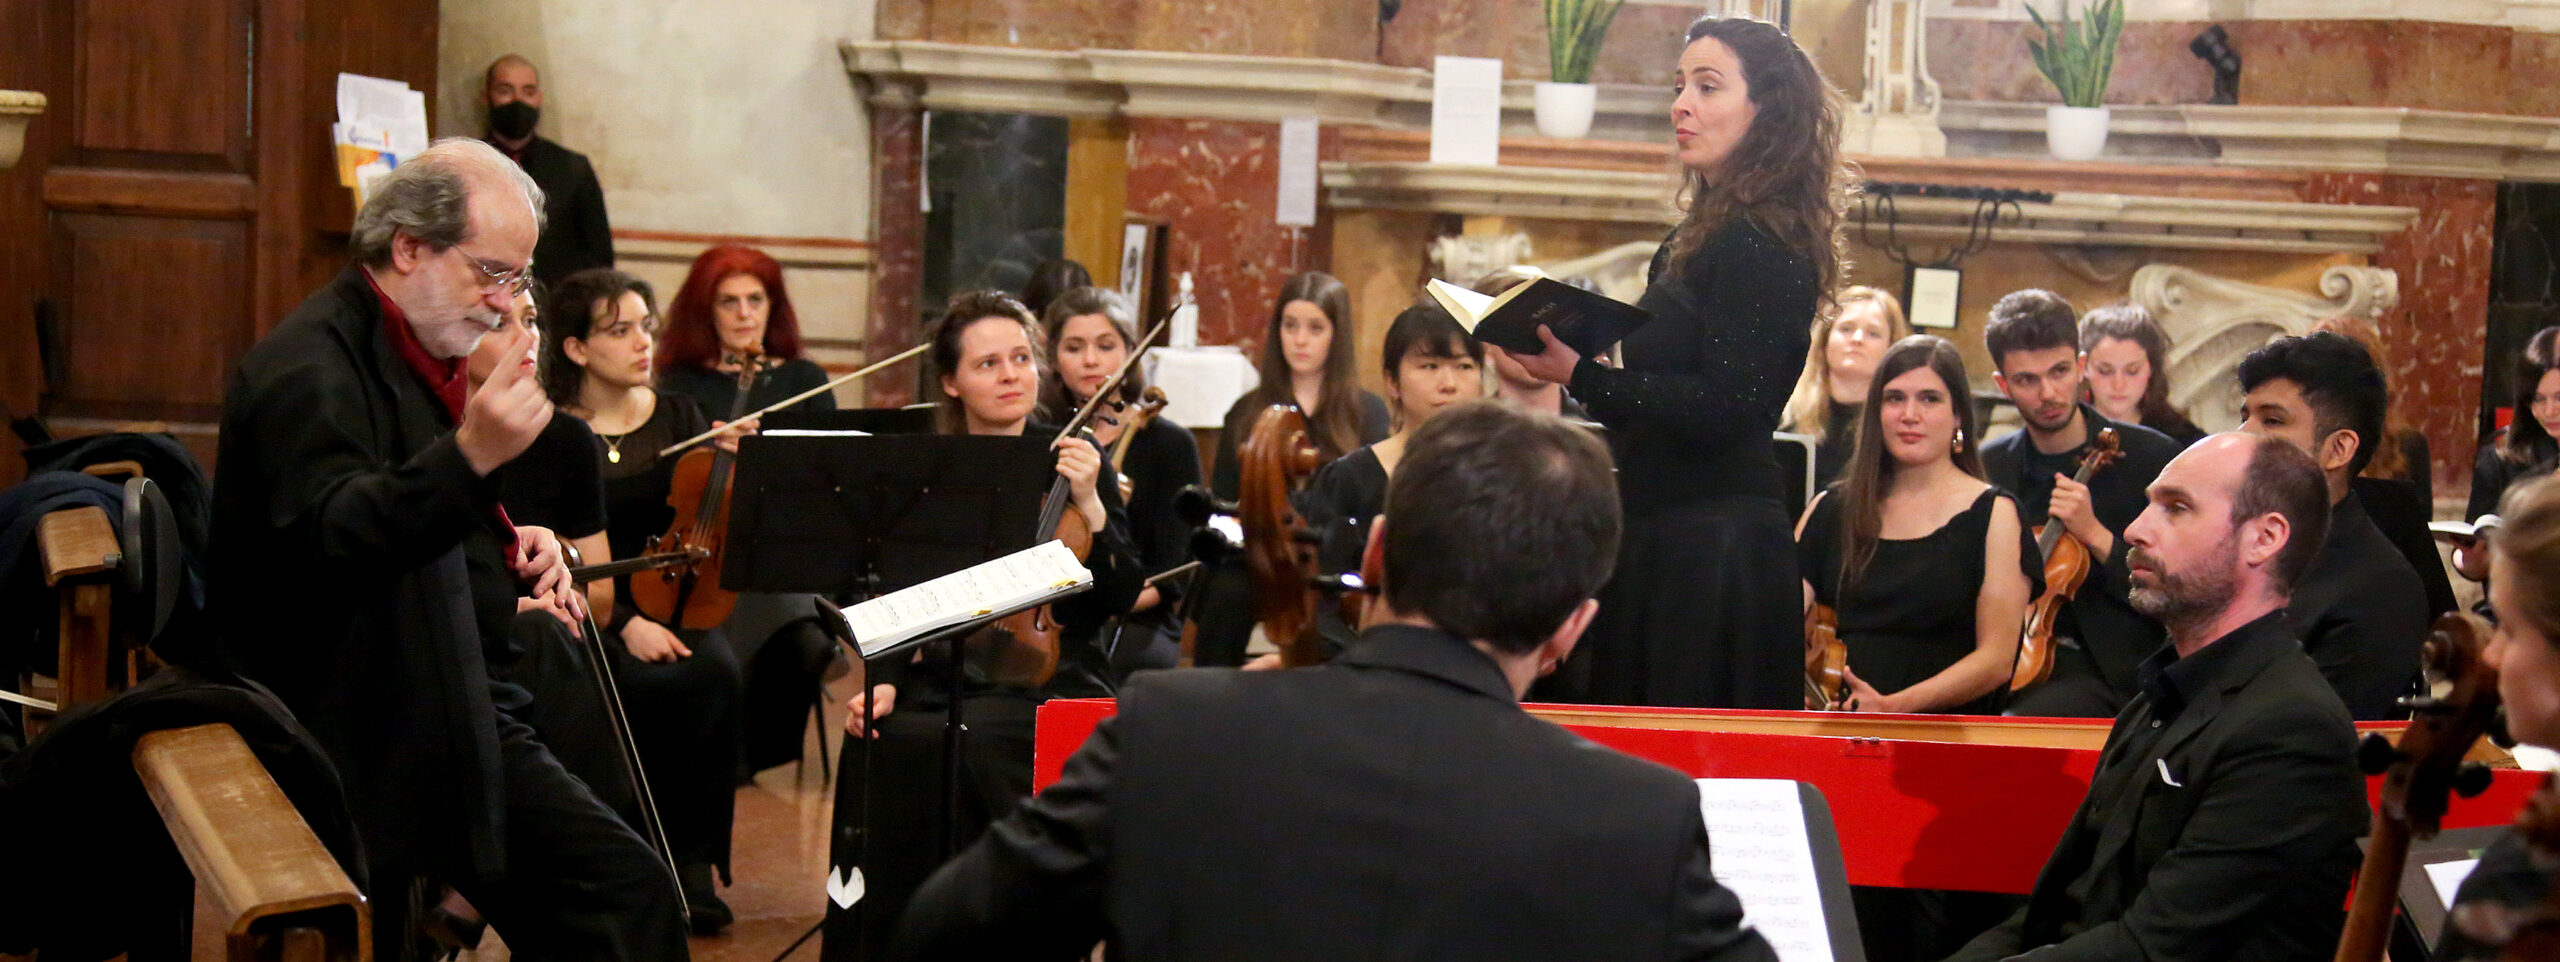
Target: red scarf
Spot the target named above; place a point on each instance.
(446, 378)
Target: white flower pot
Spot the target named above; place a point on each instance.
(1564, 110)
(2075, 133)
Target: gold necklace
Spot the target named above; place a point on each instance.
(613, 446)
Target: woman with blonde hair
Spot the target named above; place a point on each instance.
(1847, 342)
(2504, 892)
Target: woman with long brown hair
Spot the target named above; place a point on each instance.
(1697, 614)
(1306, 363)
(2530, 443)
(1838, 365)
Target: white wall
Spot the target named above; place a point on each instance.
(733, 117)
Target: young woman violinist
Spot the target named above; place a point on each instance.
(1431, 363)
(1926, 564)
(1091, 334)
(681, 686)
(986, 356)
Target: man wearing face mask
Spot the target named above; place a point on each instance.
(576, 236)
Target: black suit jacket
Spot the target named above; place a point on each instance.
(352, 548)
(2245, 859)
(1393, 804)
(2113, 638)
(576, 235)
(2362, 614)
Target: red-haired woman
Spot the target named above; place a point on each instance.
(731, 302)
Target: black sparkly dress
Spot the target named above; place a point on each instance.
(1703, 610)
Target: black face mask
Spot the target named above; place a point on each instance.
(514, 120)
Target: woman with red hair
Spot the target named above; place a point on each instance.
(733, 301)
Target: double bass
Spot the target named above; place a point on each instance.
(2066, 566)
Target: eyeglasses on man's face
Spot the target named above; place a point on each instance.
(499, 277)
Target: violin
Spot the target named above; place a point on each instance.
(2421, 773)
(1132, 421)
(2066, 566)
(1025, 654)
(1826, 661)
(690, 596)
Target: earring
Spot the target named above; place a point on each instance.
(1959, 443)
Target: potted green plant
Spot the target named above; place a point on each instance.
(1575, 29)
(2077, 56)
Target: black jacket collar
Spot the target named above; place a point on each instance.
(1431, 653)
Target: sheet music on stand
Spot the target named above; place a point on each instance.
(1021, 580)
(1773, 844)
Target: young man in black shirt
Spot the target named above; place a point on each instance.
(2034, 341)
(2363, 612)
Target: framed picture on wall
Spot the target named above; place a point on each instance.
(1931, 294)
(1142, 278)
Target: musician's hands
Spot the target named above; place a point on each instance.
(1864, 697)
(884, 698)
(652, 642)
(1267, 661)
(2070, 505)
(2471, 560)
(538, 561)
(1553, 365)
(730, 433)
(1081, 465)
(506, 413)
(550, 605)
(1148, 598)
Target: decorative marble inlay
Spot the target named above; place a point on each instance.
(2436, 338)
(2213, 322)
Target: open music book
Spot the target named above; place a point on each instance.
(2461, 533)
(1588, 322)
(1024, 579)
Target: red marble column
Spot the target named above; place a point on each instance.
(2436, 336)
(897, 248)
(1215, 183)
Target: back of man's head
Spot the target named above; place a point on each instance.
(2338, 379)
(1500, 522)
(2030, 320)
(2283, 480)
(429, 196)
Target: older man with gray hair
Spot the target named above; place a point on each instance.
(364, 571)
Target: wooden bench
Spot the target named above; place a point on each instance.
(80, 557)
(280, 895)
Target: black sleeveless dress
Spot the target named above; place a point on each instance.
(1911, 614)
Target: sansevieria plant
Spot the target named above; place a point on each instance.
(1575, 29)
(2077, 57)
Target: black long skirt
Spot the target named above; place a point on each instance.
(1704, 611)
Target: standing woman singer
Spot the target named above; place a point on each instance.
(1698, 613)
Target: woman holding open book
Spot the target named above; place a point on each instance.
(1697, 614)
(1431, 364)
(988, 360)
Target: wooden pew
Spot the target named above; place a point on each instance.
(279, 893)
(80, 558)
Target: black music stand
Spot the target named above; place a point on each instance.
(867, 515)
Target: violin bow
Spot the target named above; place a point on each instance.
(866, 371)
(1084, 415)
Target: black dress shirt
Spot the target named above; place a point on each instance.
(2112, 637)
(2221, 823)
(2361, 614)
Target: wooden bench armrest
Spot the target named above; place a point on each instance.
(76, 541)
(255, 857)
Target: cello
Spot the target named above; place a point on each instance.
(1274, 460)
(2066, 566)
(2420, 773)
(689, 595)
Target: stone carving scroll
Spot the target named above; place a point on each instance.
(2213, 322)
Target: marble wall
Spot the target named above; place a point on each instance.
(1335, 29)
(2362, 63)
(2436, 337)
(1216, 186)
